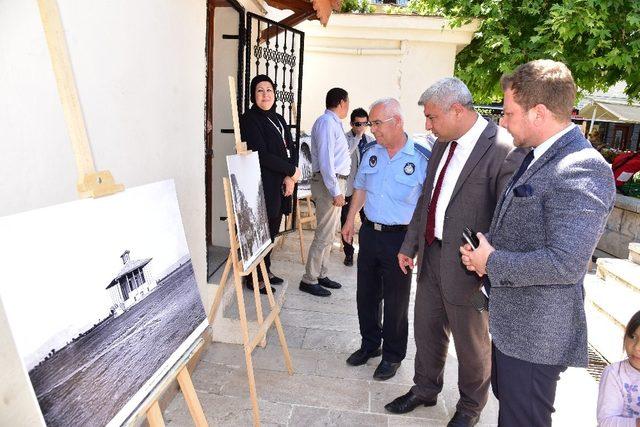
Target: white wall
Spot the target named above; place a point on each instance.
(376, 56)
(140, 71)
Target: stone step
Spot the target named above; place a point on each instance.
(614, 299)
(604, 335)
(621, 271)
(634, 252)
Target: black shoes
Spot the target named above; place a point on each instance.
(407, 403)
(348, 260)
(360, 356)
(314, 289)
(263, 289)
(385, 370)
(275, 280)
(463, 420)
(328, 283)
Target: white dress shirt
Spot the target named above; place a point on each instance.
(460, 156)
(330, 150)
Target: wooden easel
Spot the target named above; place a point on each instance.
(97, 184)
(308, 218)
(233, 262)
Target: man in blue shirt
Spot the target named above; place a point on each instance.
(331, 164)
(388, 184)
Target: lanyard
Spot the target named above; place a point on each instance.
(281, 132)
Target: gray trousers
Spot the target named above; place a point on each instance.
(328, 218)
(434, 321)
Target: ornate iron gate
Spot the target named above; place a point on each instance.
(276, 50)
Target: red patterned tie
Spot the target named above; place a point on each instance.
(429, 234)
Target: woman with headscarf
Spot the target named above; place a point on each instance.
(266, 132)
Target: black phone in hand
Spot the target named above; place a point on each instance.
(470, 236)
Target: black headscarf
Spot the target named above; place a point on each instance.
(271, 114)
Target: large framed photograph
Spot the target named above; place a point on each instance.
(101, 299)
(249, 207)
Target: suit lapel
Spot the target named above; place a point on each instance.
(436, 157)
(534, 168)
(479, 149)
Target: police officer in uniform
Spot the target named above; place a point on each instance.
(388, 184)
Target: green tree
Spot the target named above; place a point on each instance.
(598, 39)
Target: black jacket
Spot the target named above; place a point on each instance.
(261, 135)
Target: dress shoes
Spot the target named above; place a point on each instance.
(263, 289)
(348, 260)
(314, 289)
(360, 356)
(275, 280)
(407, 403)
(385, 370)
(328, 283)
(463, 420)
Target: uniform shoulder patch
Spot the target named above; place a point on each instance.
(368, 145)
(422, 150)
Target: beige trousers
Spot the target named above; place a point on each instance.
(328, 218)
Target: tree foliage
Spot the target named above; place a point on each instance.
(357, 6)
(598, 39)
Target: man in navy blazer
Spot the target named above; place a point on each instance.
(543, 233)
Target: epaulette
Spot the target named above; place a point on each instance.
(422, 150)
(368, 145)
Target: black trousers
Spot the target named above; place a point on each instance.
(526, 390)
(346, 246)
(274, 227)
(382, 289)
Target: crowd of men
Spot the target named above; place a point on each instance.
(533, 196)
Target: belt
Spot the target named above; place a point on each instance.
(385, 228)
(337, 175)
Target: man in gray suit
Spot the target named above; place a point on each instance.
(542, 236)
(471, 162)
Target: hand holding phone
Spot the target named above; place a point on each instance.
(470, 236)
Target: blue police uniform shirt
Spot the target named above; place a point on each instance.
(394, 185)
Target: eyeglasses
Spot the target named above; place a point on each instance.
(359, 124)
(379, 122)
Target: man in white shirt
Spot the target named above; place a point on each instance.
(471, 162)
(331, 165)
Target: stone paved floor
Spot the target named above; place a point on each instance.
(324, 390)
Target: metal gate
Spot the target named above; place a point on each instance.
(276, 50)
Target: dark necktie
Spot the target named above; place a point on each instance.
(361, 144)
(523, 167)
(429, 234)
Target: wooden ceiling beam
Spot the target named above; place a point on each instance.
(295, 5)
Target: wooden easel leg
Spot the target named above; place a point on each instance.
(154, 416)
(283, 340)
(309, 205)
(258, 301)
(190, 396)
(220, 292)
(247, 349)
(299, 225)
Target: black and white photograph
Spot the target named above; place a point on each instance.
(102, 300)
(249, 206)
(304, 163)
